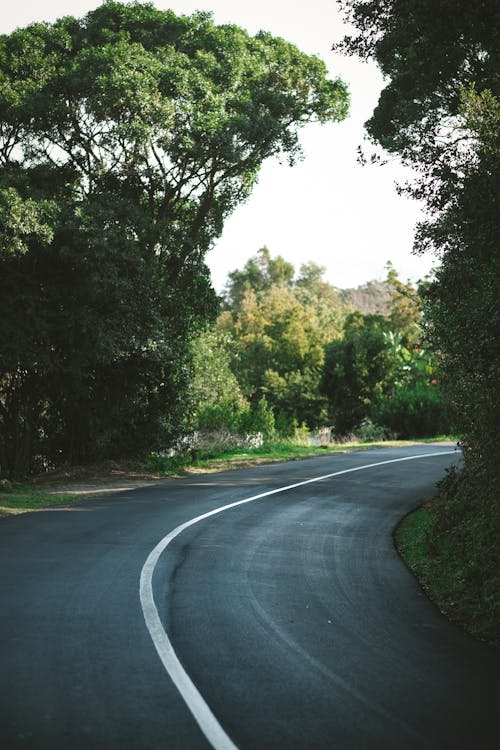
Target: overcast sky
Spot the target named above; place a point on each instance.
(326, 208)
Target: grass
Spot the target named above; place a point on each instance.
(278, 450)
(207, 461)
(23, 499)
(451, 546)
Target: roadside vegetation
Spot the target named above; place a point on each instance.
(275, 450)
(452, 547)
(440, 113)
(55, 489)
(286, 353)
(128, 136)
(21, 499)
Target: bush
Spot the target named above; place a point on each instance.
(455, 553)
(260, 418)
(369, 432)
(224, 415)
(413, 410)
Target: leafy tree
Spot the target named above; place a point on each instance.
(358, 369)
(126, 138)
(404, 306)
(313, 291)
(259, 274)
(412, 410)
(413, 404)
(260, 418)
(430, 52)
(277, 343)
(440, 111)
(214, 393)
(279, 325)
(374, 373)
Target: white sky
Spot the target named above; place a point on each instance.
(326, 208)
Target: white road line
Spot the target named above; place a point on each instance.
(188, 690)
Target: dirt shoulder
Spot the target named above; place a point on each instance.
(94, 479)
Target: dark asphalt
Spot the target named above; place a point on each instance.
(293, 615)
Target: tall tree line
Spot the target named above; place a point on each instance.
(289, 339)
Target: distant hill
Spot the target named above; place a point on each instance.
(372, 297)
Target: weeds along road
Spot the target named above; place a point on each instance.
(286, 622)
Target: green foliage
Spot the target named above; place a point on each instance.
(215, 398)
(377, 371)
(260, 418)
(452, 546)
(278, 326)
(280, 330)
(22, 221)
(440, 111)
(357, 369)
(404, 307)
(428, 52)
(413, 410)
(21, 500)
(259, 275)
(126, 139)
(413, 406)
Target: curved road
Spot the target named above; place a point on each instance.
(292, 615)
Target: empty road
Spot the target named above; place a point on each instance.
(160, 618)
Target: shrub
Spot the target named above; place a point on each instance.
(413, 410)
(260, 418)
(369, 432)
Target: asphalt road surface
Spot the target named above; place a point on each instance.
(287, 622)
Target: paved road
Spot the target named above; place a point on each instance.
(292, 615)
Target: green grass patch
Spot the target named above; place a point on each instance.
(277, 450)
(24, 499)
(451, 546)
(413, 537)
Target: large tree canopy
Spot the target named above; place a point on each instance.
(429, 50)
(126, 138)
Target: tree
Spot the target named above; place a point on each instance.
(313, 291)
(430, 52)
(214, 393)
(404, 307)
(357, 370)
(258, 275)
(412, 404)
(279, 325)
(277, 343)
(126, 138)
(382, 370)
(440, 111)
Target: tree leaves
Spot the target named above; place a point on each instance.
(126, 139)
